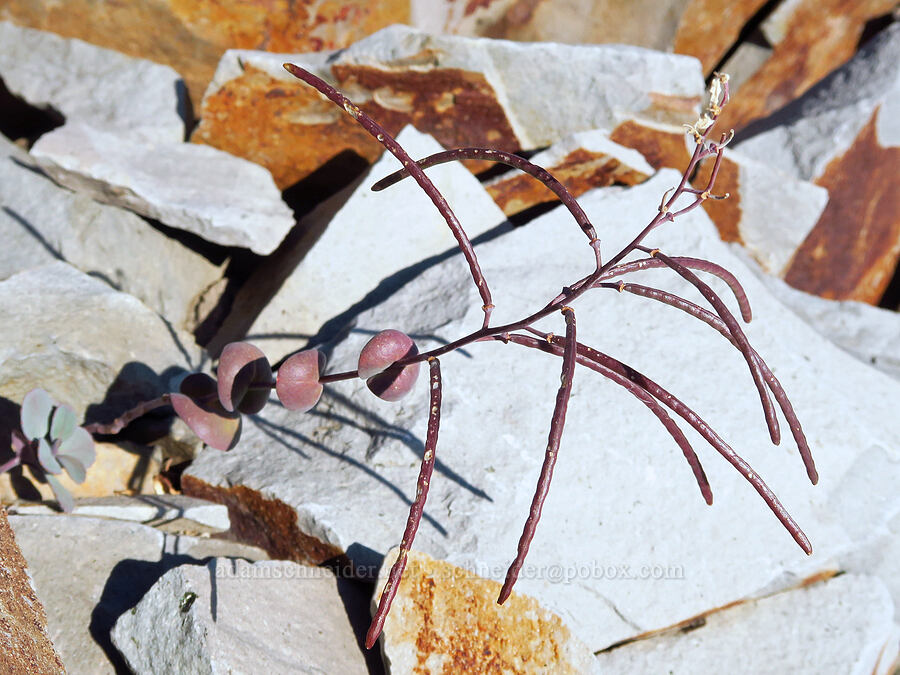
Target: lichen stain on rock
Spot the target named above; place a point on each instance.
(457, 107)
(450, 619)
(660, 147)
(268, 523)
(579, 171)
(287, 128)
(853, 250)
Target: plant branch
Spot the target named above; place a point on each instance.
(556, 428)
(126, 418)
(388, 141)
(418, 505)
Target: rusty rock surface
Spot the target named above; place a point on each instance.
(191, 35)
(445, 619)
(462, 91)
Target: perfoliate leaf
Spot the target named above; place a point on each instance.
(46, 458)
(65, 500)
(64, 422)
(35, 416)
(215, 426)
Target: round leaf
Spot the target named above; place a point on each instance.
(65, 500)
(244, 378)
(383, 350)
(79, 445)
(64, 422)
(75, 469)
(46, 458)
(214, 425)
(35, 416)
(298, 385)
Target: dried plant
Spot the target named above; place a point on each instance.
(389, 362)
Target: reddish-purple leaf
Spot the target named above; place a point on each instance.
(244, 377)
(298, 385)
(215, 426)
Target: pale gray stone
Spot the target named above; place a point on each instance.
(843, 625)
(217, 196)
(85, 343)
(41, 222)
(160, 511)
(356, 244)
(236, 617)
(804, 136)
(777, 211)
(89, 571)
(529, 79)
(871, 334)
(91, 84)
(626, 545)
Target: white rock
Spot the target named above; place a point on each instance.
(356, 244)
(90, 84)
(84, 343)
(595, 141)
(222, 198)
(804, 136)
(234, 617)
(871, 334)
(623, 525)
(777, 211)
(155, 510)
(844, 625)
(89, 571)
(41, 222)
(528, 79)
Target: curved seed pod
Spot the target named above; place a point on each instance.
(245, 378)
(298, 385)
(376, 360)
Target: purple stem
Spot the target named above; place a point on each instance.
(508, 158)
(734, 327)
(415, 511)
(388, 141)
(642, 395)
(556, 428)
(126, 418)
(774, 385)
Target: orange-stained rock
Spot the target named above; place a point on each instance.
(661, 145)
(580, 162)
(114, 471)
(725, 213)
(267, 523)
(191, 35)
(854, 249)
(25, 645)
(708, 28)
(820, 35)
(444, 619)
(462, 91)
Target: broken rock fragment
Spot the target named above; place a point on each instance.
(224, 199)
(462, 91)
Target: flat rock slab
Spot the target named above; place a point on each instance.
(623, 523)
(844, 136)
(463, 91)
(160, 511)
(41, 222)
(117, 563)
(235, 617)
(354, 244)
(90, 84)
(843, 625)
(871, 334)
(815, 38)
(445, 618)
(84, 343)
(25, 646)
(224, 199)
(582, 161)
